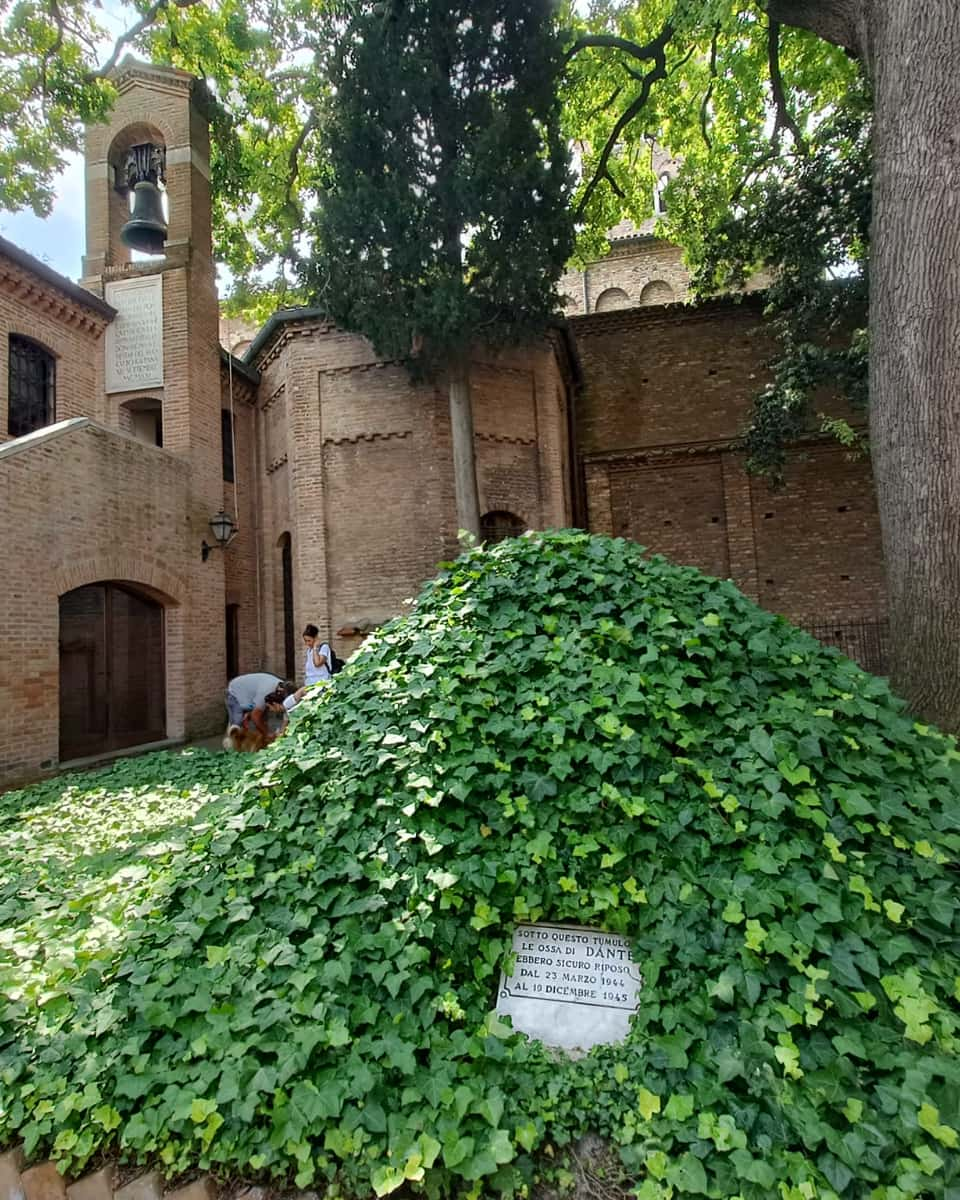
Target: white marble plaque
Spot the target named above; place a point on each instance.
(135, 335)
(571, 986)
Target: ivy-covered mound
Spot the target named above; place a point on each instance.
(560, 729)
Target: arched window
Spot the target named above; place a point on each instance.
(657, 291)
(612, 298)
(31, 390)
(659, 199)
(498, 526)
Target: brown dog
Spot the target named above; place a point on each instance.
(244, 740)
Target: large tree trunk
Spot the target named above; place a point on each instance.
(912, 51)
(915, 343)
(464, 455)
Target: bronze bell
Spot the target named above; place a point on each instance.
(146, 230)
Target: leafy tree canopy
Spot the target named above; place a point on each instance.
(443, 216)
(324, 111)
(559, 728)
(771, 125)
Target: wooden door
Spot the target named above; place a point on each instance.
(112, 672)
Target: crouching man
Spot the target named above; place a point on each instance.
(251, 700)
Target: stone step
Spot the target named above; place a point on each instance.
(98, 1185)
(43, 1181)
(11, 1164)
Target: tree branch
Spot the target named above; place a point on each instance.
(655, 51)
(842, 22)
(610, 41)
(293, 159)
(708, 94)
(595, 112)
(148, 19)
(784, 118)
(614, 186)
(755, 169)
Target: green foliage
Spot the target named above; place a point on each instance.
(266, 67)
(772, 127)
(79, 854)
(443, 218)
(563, 729)
(711, 103)
(47, 89)
(807, 224)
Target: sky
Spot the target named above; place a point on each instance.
(58, 239)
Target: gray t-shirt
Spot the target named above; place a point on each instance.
(249, 690)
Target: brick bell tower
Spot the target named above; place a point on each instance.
(162, 368)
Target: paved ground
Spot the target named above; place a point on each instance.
(215, 742)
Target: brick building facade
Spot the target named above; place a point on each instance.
(119, 626)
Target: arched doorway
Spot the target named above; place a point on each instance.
(112, 671)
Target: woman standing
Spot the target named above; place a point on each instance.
(316, 669)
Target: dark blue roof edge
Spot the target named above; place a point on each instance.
(73, 291)
(281, 317)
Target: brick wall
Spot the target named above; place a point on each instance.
(667, 393)
(72, 333)
(357, 467)
(84, 504)
(672, 376)
(646, 270)
(679, 506)
(818, 546)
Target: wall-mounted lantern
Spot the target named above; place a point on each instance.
(223, 530)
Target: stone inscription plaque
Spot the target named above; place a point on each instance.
(571, 986)
(135, 335)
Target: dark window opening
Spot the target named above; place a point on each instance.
(31, 387)
(498, 526)
(289, 644)
(233, 640)
(146, 420)
(226, 438)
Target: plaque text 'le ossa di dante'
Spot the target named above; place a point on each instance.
(571, 986)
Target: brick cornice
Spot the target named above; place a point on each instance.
(674, 454)
(133, 71)
(375, 436)
(41, 291)
(619, 320)
(503, 439)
